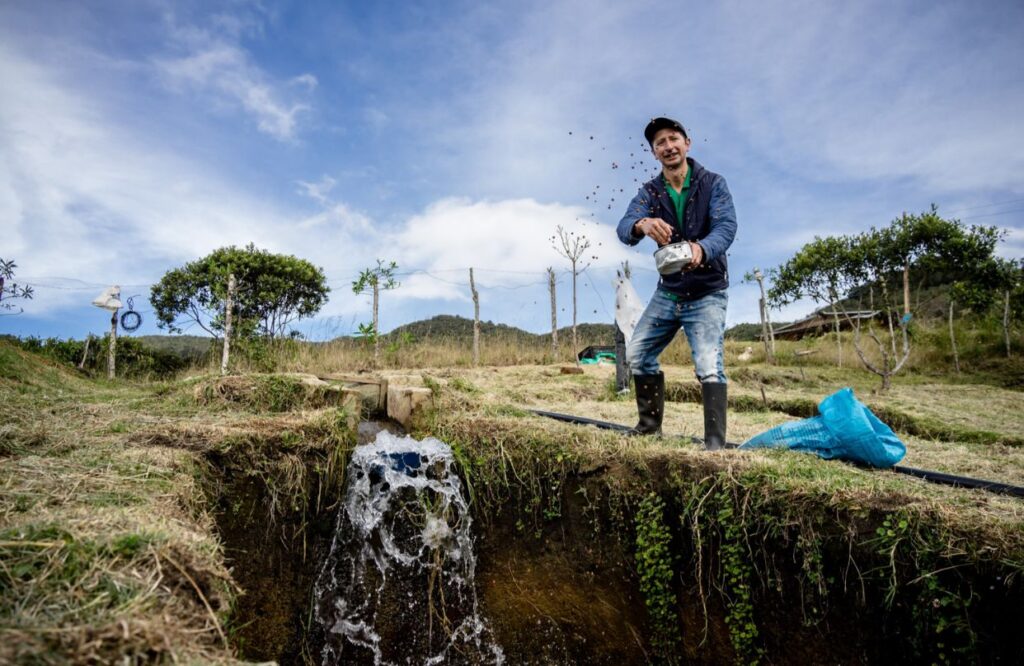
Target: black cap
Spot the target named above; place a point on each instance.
(660, 124)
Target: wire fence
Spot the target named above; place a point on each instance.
(508, 287)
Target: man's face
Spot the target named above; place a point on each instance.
(670, 147)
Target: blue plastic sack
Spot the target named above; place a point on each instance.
(845, 429)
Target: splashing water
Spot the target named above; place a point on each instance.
(397, 585)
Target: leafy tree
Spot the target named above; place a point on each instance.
(924, 240)
(830, 268)
(273, 291)
(928, 243)
(10, 292)
(373, 280)
(1009, 280)
(820, 270)
(976, 288)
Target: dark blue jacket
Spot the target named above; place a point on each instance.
(710, 220)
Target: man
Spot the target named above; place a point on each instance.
(685, 203)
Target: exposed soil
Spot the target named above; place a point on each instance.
(562, 597)
(564, 588)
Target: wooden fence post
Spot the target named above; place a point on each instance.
(1006, 321)
(554, 315)
(476, 320)
(112, 350)
(767, 334)
(229, 305)
(952, 339)
(622, 371)
(85, 354)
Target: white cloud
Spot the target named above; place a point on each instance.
(507, 242)
(217, 68)
(319, 190)
(857, 93)
(83, 198)
(307, 81)
(1012, 246)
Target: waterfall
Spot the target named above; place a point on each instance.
(397, 585)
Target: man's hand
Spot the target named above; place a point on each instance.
(656, 228)
(698, 255)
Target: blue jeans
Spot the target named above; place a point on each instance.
(703, 320)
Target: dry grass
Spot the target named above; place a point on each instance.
(482, 413)
(592, 395)
(107, 549)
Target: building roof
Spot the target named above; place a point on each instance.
(821, 321)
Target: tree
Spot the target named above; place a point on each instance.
(372, 280)
(821, 271)
(10, 292)
(273, 291)
(1010, 281)
(572, 247)
(832, 267)
(980, 276)
(919, 240)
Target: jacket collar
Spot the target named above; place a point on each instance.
(658, 184)
(697, 171)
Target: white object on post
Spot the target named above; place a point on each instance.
(628, 306)
(110, 299)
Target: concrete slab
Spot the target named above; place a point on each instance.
(374, 390)
(405, 403)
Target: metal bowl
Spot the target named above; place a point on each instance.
(673, 258)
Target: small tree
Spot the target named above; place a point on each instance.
(821, 271)
(1010, 282)
(979, 273)
(572, 247)
(373, 280)
(273, 291)
(12, 291)
(910, 238)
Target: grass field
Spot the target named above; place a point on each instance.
(109, 549)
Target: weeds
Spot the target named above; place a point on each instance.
(655, 568)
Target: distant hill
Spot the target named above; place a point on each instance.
(453, 327)
(744, 332)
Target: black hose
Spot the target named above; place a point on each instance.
(960, 481)
(580, 420)
(934, 477)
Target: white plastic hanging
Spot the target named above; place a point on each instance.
(628, 306)
(110, 299)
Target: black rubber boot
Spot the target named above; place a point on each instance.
(715, 397)
(650, 403)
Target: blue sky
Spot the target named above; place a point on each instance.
(137, 136)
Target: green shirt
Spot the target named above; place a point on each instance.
(679, 201)
(679, 198)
